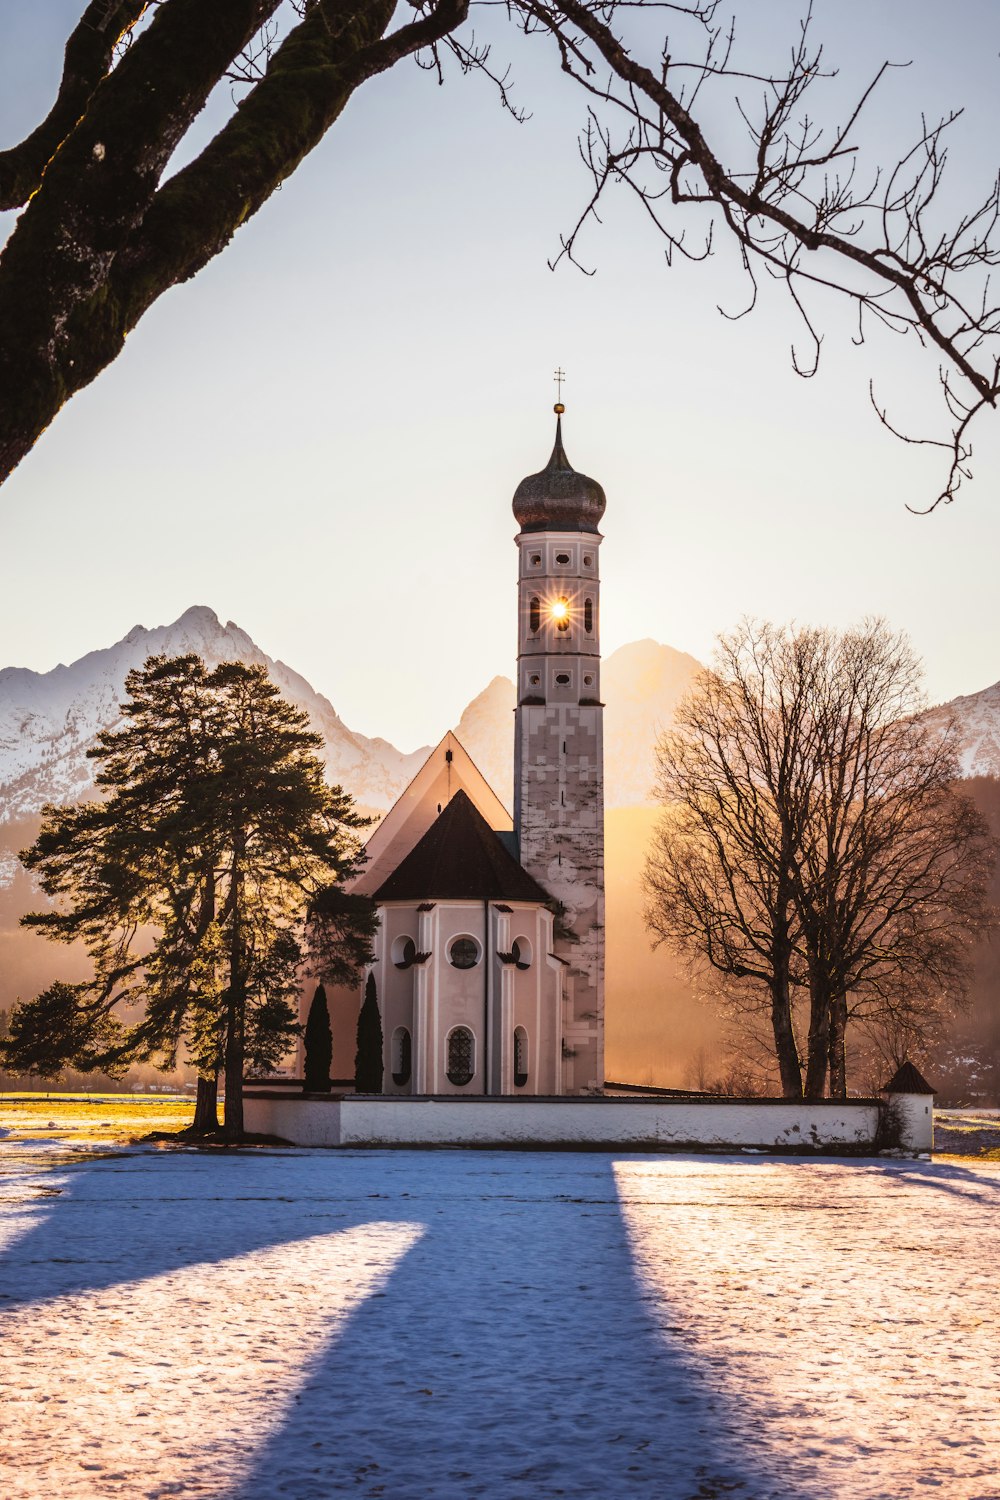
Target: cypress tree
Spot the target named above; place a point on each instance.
(368, 1062)
(319, 1045)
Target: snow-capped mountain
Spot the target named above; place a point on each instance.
(978, 720)
(48, 720)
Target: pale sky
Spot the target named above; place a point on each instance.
(320, 435)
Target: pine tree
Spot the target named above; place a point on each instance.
(318, 1045)
(368, 1061)
(216, 838)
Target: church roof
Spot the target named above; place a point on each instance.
(558, 498)
(907, 1080)
(460, 858)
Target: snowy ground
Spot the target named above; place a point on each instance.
(439, 1326)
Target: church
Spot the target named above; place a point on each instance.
(489, 956)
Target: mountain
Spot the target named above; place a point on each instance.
(48, 720)
(978, 719)
(641, 685)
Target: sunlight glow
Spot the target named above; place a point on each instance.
(559, 609)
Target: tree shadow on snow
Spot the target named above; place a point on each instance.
(509, 1355)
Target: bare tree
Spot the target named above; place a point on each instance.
(813, 847)
(105, 230)
(893, 877)
(733, 776)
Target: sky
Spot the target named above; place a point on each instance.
(320, 435)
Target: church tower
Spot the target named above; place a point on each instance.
(558, 738)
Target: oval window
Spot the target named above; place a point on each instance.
(404, 951)
(562, 557)
(588, 681)
(463, 953)
(461, 1056)
(534, 615)
(536, 559)
(520, 1057)
(588, 561)
(562, 678)
(588, 615)
(534, 680)
(401, 1054)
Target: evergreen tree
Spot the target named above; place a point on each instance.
(319, 1045)
(368, 1061)
(191, 882)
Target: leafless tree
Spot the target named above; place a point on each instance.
(733, 777)
(813, 846)
(104, 231)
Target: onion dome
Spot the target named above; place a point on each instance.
(559, 499)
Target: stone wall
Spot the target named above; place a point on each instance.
(616, 1124)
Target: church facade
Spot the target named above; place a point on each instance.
(489, 958)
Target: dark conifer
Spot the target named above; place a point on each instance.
(218, 836)
(318, 1045)
(368, 1062)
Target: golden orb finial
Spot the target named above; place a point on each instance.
(559, 408)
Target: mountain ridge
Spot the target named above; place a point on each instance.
(48, 720)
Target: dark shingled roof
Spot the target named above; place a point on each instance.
(460, 858)
(907, 1080)
(558, 498)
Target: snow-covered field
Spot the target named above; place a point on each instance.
(445, 1325)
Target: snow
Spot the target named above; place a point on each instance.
(49, 720)
(455, 1324)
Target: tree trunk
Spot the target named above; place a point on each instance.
(785, 1048)
(236, 1008)
(838, 1053)
(233, 1106)
(819, 1040)
(206, 1109)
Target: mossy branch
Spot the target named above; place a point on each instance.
(88, 58)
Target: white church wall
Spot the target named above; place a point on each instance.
(459, 996)
(626, 1124)
(536, 1005)
(915, 1115)
(395, 986)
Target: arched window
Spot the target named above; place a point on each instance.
(401, 1054)
(534, 615)
(520, 951)
(520, 1057)
(461, 1056)
(588, 616)
(463, 953)
(404, 951)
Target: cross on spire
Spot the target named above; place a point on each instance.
(559, 377)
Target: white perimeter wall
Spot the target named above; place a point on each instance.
(631, 1124)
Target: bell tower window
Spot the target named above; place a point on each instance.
(588, 616)
(534, 615)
